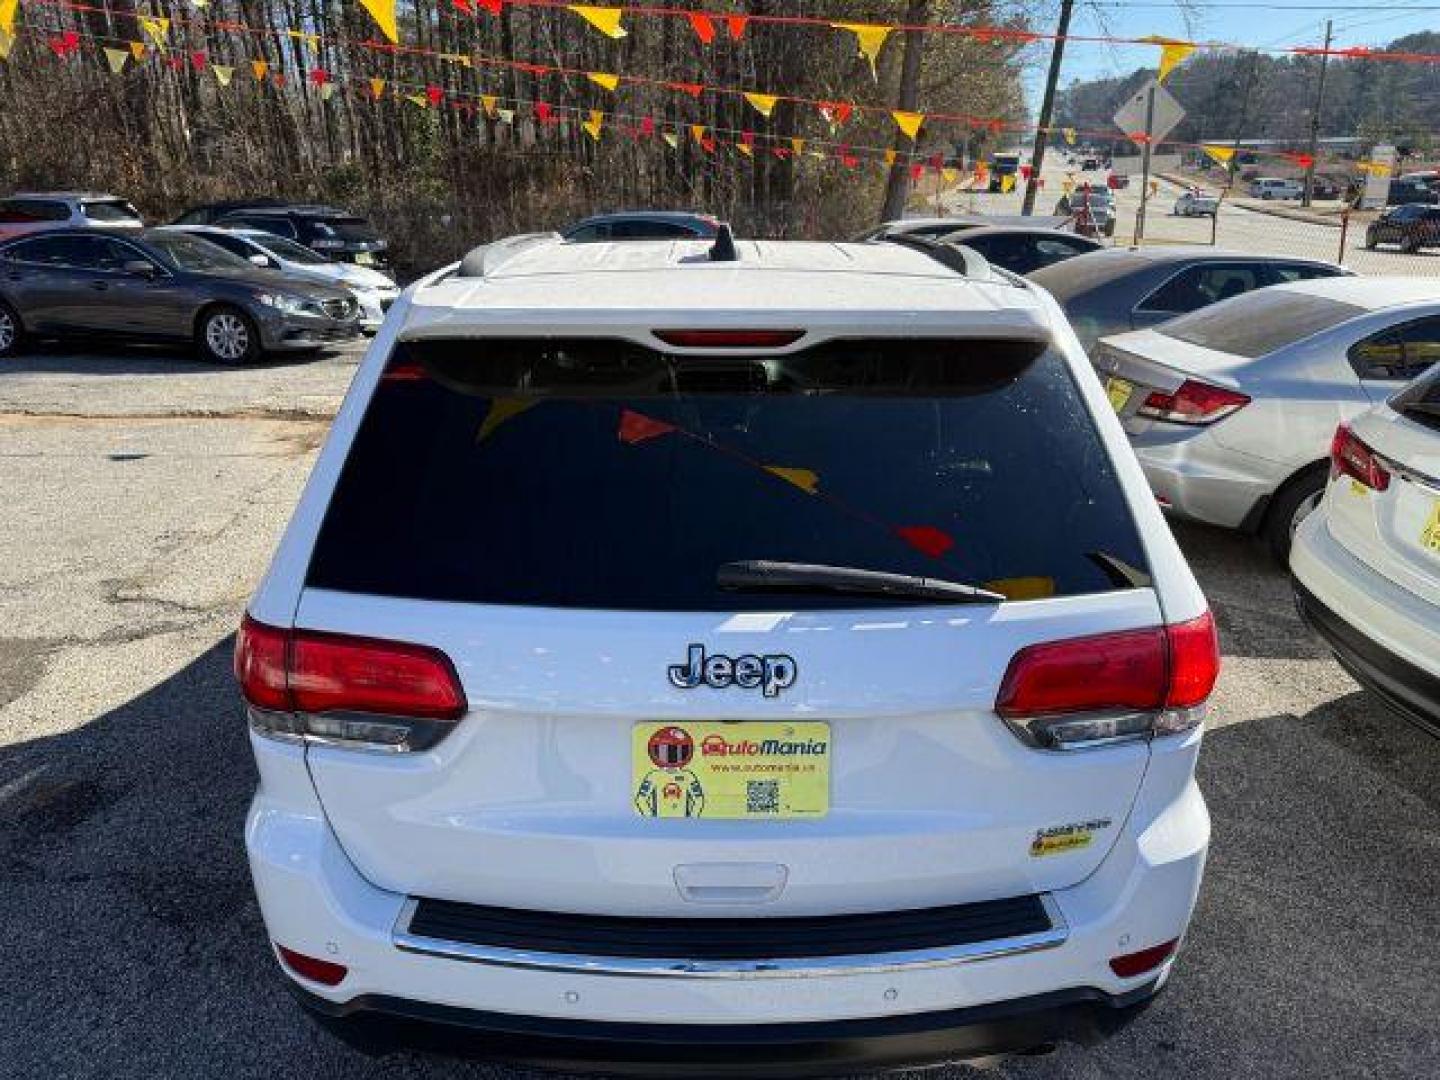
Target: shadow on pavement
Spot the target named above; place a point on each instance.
(100, 357)
(134, 947)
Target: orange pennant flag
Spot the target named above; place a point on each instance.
(889, 157)
(377, 88)
(764, 104)
(798, 145)
(260, 68)
(489, 101)
(697, 132)
(137, 50)
(805, 479)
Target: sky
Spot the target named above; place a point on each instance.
(1272, 23)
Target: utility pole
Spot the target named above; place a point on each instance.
(897, 184)
(1315, 116)
(1047, 108)
(1145, 164)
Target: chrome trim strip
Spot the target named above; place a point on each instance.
(802, 968)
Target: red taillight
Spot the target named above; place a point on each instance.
(310, 672)
(1349, 456)
(1193, 403)
(729, 339)
(307, 967)
(1161, 667)
(1138, 963)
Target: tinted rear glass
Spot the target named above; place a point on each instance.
(344, 228)
(1259, 322)
(110, 210)
(1075, 277)
(603, 474)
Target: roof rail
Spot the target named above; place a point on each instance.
(963, 261)
(487, 258)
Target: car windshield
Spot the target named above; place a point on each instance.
(288, 250)
(110, 210)
(1259, 322)
(604, 474)
(193, 253)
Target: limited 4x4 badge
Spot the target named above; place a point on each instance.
(1061, 838)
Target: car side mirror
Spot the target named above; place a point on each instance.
(141, 268)
(261, 261)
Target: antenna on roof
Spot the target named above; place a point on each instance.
(723, 249)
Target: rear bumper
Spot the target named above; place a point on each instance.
(659, 1049)
(1195, 477)
(314, 901)
(1388, 639)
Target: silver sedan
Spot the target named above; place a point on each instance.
(1231, 409)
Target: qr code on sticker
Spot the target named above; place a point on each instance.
(762, 796)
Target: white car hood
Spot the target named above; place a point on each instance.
(360, 277)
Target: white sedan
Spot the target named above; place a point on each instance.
(373, 290)
(1366, 566)
(1196, 204)
(1230, 408)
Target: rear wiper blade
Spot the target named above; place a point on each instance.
(764, 575)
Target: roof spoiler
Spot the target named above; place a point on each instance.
(487, 258)
(964, 261)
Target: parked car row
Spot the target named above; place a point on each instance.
(237, 279)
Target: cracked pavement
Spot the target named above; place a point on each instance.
(143, 494)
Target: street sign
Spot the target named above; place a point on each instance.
(1377, 181)
(1130, 117)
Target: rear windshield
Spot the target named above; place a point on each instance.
(1259, 322)
(602, 474)
(343, 228)
(1076, 277)
(110, 210)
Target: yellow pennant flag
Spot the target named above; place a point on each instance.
(890, 157)
(137, 50)
(1222, 154)
(1172, 53)
(489, 101)
(7, 18)
(764, 104)
(805, 479)
(1374, 168)
(604, 19)
(309, 40)
(502, 409)
(7, 42)
(327, 91)
(223, 73)
(1007, 183)
(592, 126)
(1069, 134)
(157, 28)
(908, 122)
(116, 58)
(418, 100)
(869, 38)
(671, 139)
(260, 68)
(601, 78)
(507, 116)
(377, 88)
(463, 59)
(798, 146)
(950, 175)
(383, 12)
(697, 132)
(745, 148)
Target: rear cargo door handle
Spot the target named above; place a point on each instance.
(731, 883)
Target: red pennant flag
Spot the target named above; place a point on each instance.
(434, 95)
(996, 126)
(703, 27)
(926, 539)
(494, 7)
(62, 45)
(707, 144)
(175, 63)
(917, 171)
(197, 61)
(647, 126)
(542, 112)
(463, 5)
(836, 112)
(747, 138)
(736, 25)
(781, 152)
(937, 162)
(278, 79)
(637, 427)
(693, 89)
(319, 76)
(1025, 171)
(847, 159)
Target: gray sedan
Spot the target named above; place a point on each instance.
(160, 286)
(1121, 289)
(1231, 410)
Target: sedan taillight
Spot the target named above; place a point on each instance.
(1134, 683)
(353, 691)
(1349, 456)
(1194, 402)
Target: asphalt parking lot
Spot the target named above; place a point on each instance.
(143, 494)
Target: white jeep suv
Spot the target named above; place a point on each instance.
(768, 655)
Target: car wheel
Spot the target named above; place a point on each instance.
(11, 334)
(228, 336)
(1291, 505)
(1410, 245)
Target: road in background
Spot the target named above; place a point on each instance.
(133, 944)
